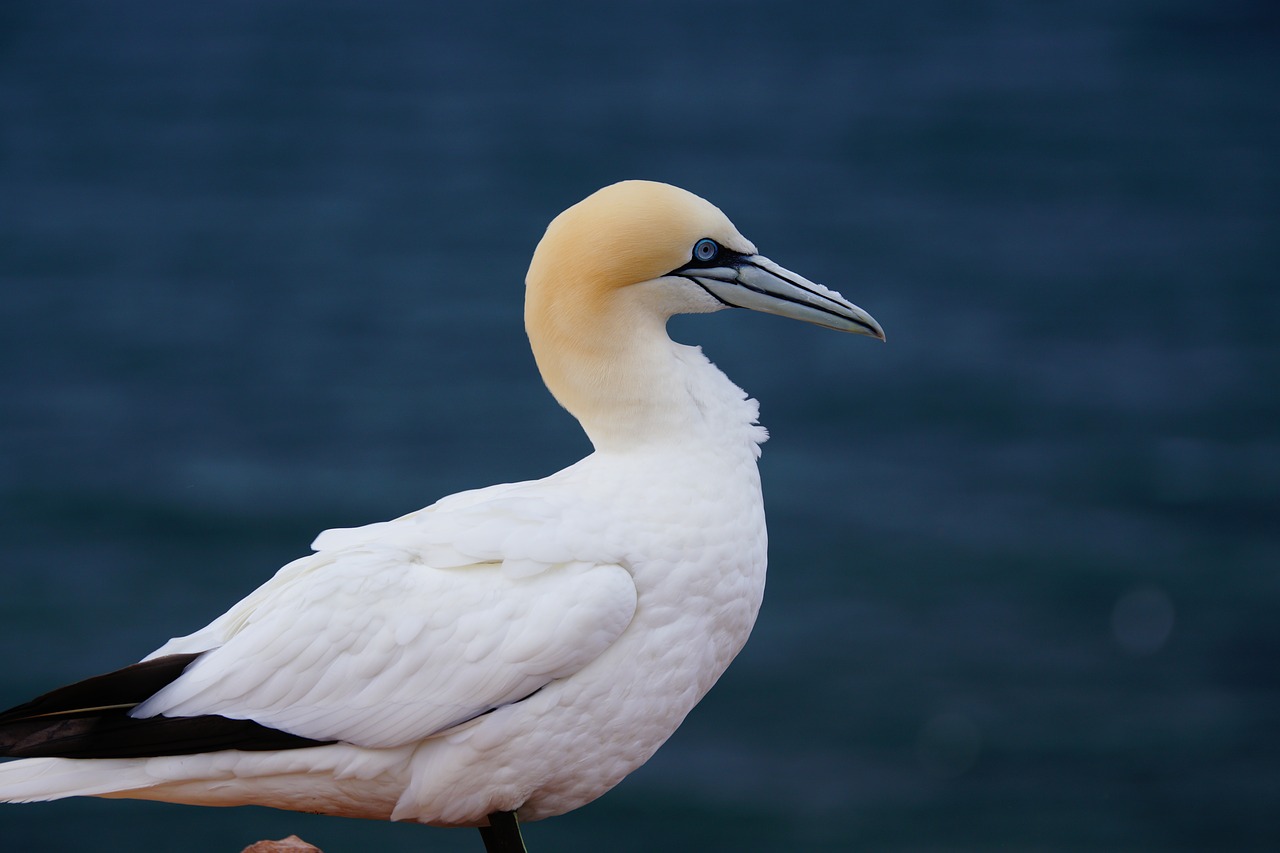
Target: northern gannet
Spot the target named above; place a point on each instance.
(510, 651)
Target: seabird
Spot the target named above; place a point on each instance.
(508, 652)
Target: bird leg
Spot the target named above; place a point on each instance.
(502, 835)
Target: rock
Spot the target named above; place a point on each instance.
(292, 844)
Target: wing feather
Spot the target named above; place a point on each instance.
(374, 647)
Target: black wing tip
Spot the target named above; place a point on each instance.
(126, 687)
(90, 719)
(118, 735)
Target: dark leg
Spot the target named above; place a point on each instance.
(502, 835)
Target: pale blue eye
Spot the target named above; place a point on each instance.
(705, 249)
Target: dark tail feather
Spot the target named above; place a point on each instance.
(90, 719)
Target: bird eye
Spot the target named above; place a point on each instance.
(705, 249)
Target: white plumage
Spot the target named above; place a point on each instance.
(521, 647)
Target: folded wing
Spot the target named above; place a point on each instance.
(388, 635)
(375, 648)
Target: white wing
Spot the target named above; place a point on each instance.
(376, 643)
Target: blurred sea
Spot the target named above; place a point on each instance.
(262, 270)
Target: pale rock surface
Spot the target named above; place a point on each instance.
(292, 844)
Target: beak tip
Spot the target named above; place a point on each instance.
(872, 329)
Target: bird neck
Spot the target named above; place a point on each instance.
(613, 367)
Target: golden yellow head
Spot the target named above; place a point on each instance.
(611, 269)
(627, 233)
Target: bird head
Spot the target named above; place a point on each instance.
(611, 270)
(678, 250)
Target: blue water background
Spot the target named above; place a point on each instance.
(261, 268)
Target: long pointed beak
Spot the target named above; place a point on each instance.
(757, 283)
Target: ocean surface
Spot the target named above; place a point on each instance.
(261, 271)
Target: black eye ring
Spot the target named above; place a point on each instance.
(705, 250)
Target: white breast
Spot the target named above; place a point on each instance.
(697, 554)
